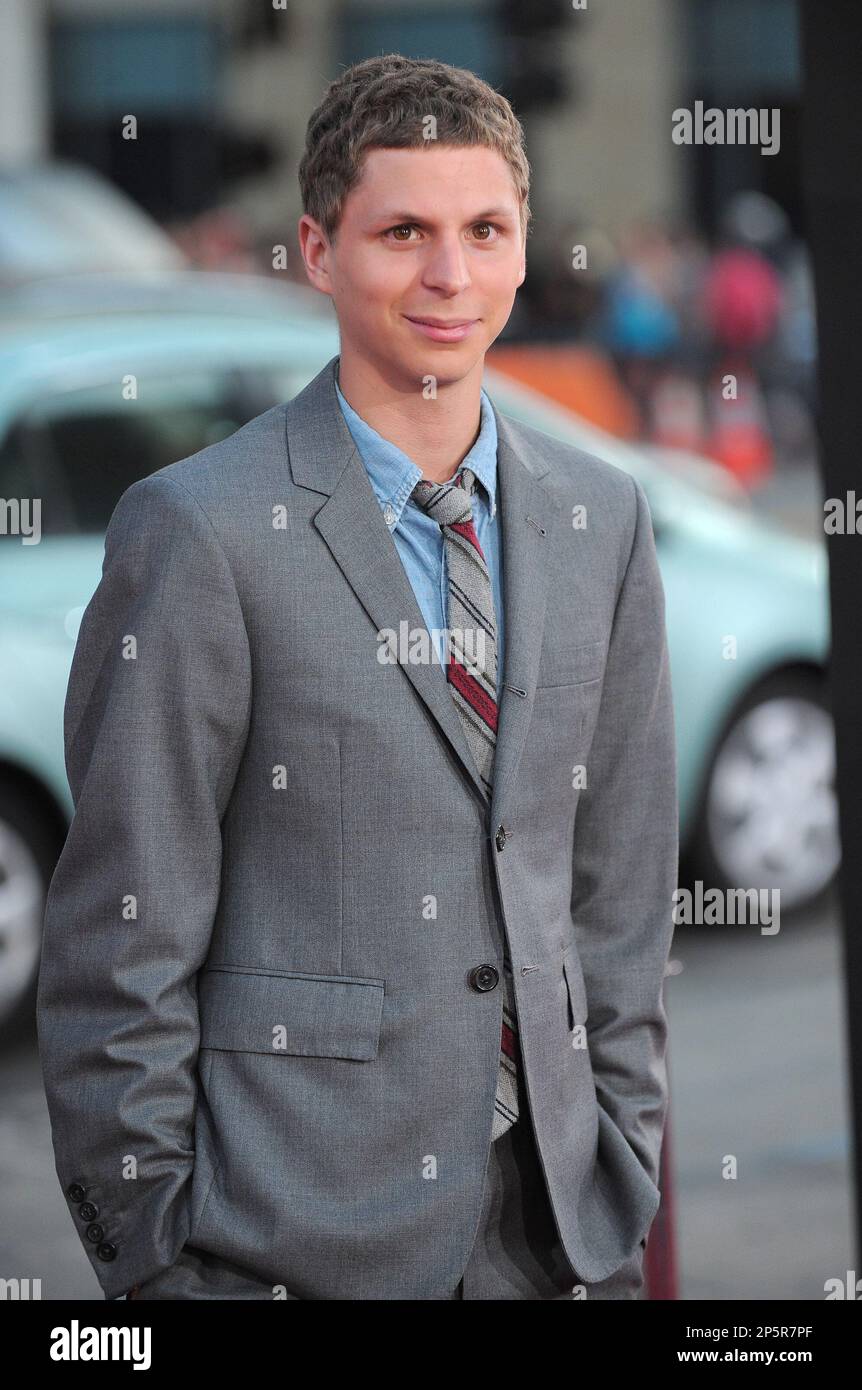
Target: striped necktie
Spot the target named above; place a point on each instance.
(471, 670)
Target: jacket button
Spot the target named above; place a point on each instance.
(95, 1232)
(502, 836)
(107, 1250)
(88, 1211)
(76, 1192)
(484, 977)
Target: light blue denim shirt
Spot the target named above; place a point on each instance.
(418, 538)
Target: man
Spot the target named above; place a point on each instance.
(352, 973)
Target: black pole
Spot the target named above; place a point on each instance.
(831, 33)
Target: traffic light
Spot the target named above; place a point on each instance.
(536, 70)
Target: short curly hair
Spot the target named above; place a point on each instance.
(384, 103)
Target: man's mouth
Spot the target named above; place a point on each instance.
(442, 330)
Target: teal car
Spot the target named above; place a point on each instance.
(105, 379)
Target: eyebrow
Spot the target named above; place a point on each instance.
(395, 218)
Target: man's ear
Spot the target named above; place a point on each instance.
(314, 248)
(522, 273)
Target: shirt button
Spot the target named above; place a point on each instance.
(389, 514)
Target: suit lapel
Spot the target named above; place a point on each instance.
(323, 457)
(527, 513)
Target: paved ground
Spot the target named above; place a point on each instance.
(757, 1064)
(757, 1071)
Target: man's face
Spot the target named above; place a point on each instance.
(431, 233)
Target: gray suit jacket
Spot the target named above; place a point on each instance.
(263, 1046)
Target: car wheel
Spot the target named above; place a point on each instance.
(768, 816)
(27, 858)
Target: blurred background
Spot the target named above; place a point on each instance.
(148, 209)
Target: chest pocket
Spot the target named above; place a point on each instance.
(560, 665)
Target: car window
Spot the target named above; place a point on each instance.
(79, 450)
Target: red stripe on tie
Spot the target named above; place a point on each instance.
(507, 1044)
(477, 698)
(468, 530)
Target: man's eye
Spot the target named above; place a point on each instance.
(488, 227)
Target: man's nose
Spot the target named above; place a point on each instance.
(446, 267)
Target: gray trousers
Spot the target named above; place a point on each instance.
(517, 1251)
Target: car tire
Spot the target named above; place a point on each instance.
(28, 855)
(768, 813)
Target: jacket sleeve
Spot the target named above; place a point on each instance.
(625, 858)
(156, 718)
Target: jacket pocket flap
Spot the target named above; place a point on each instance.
(296, 1014)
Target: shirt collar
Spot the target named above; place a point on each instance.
(393, 475)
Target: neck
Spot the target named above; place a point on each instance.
(437, 434)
